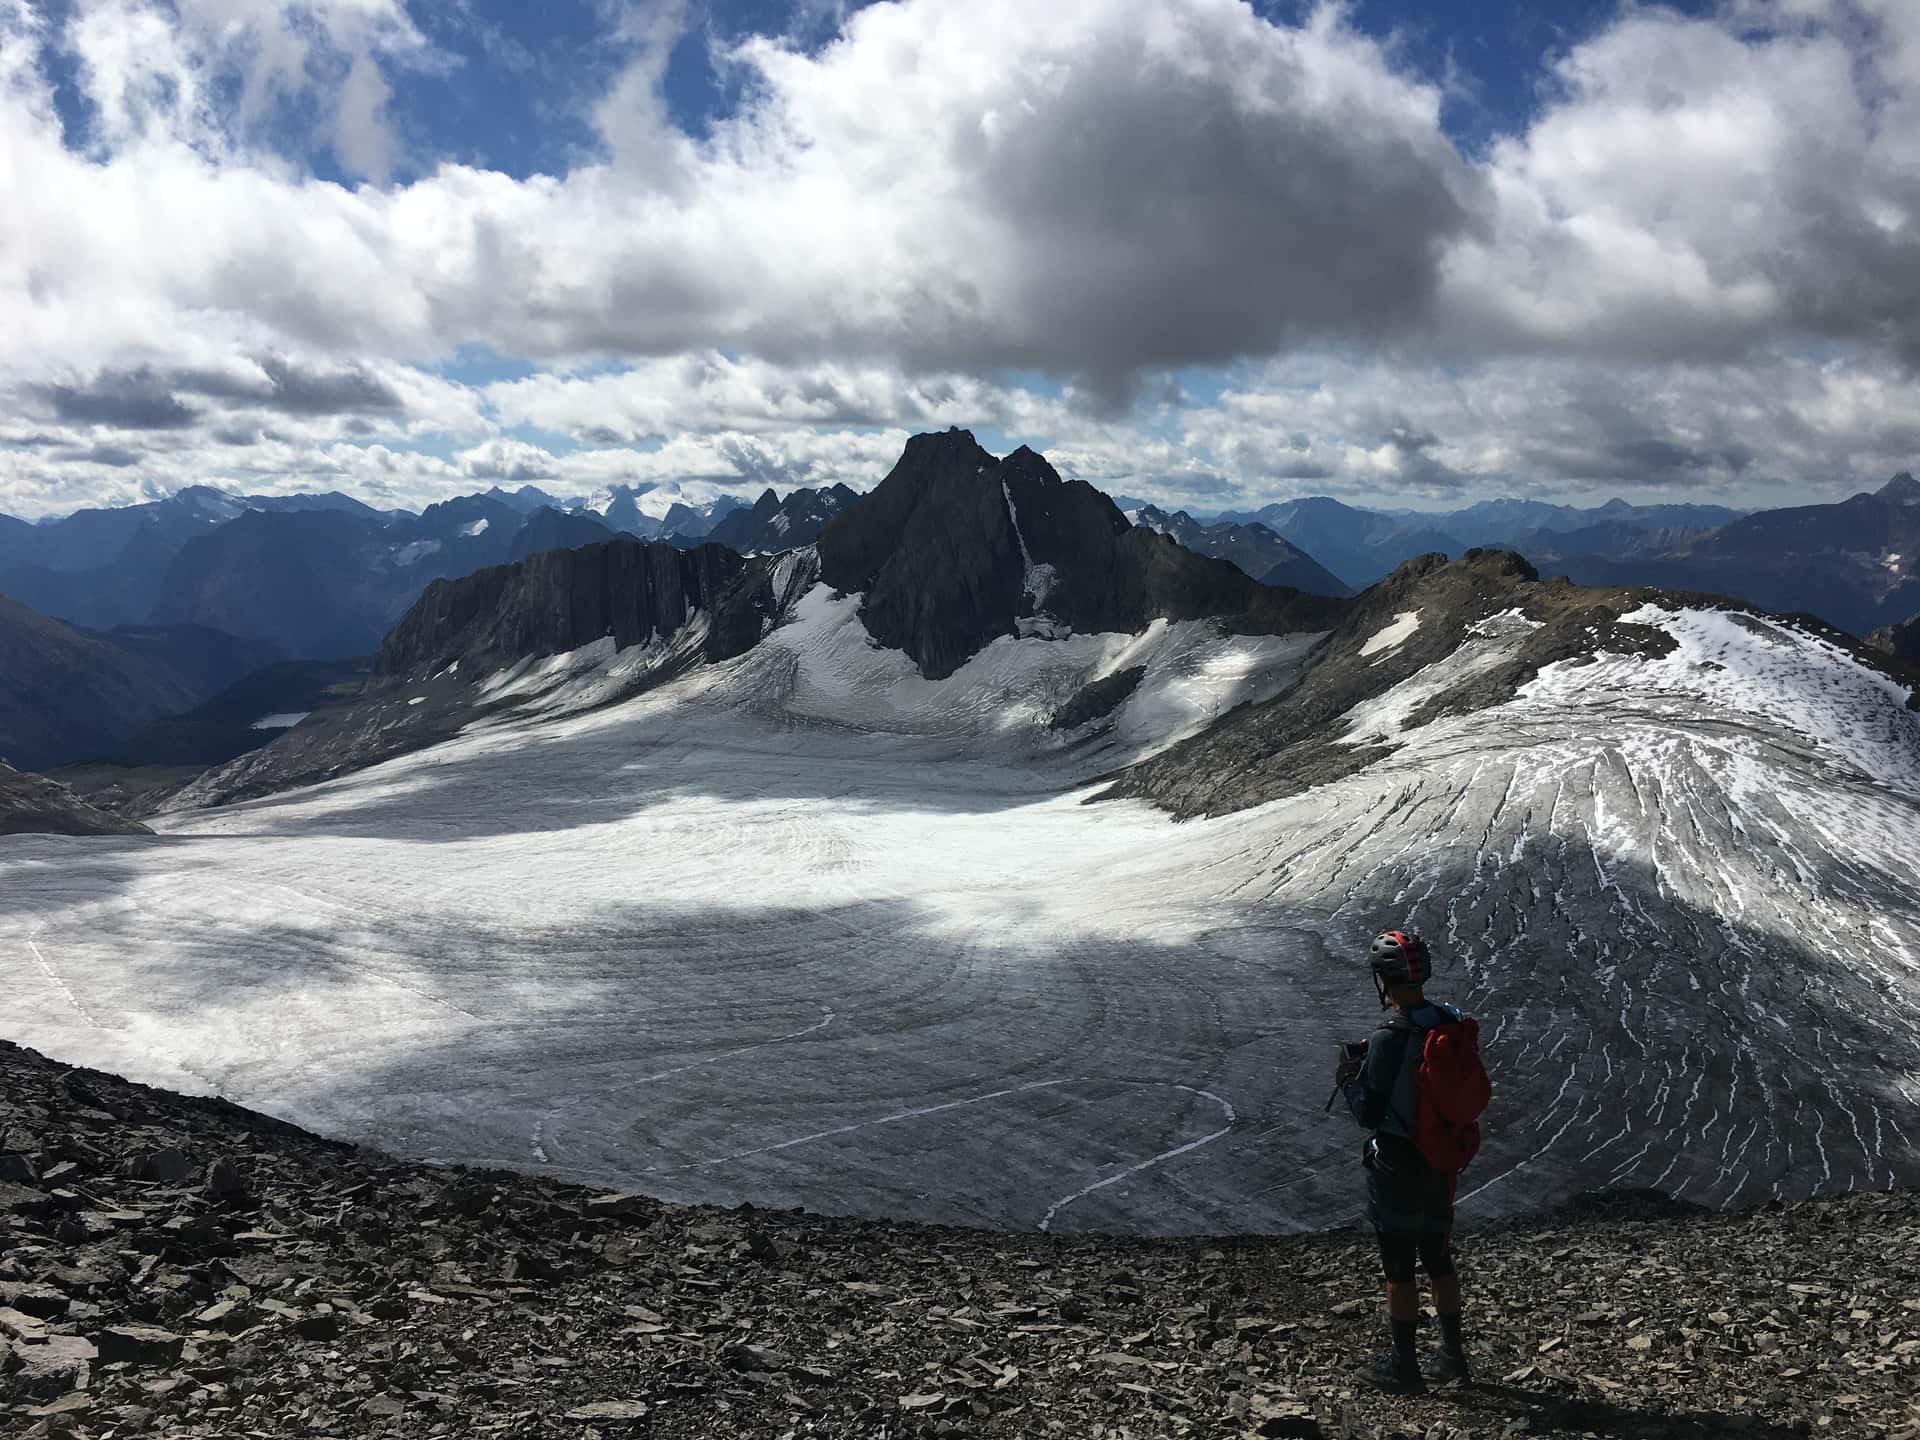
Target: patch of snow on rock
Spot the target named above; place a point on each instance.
(1039, 579)
(823, 667)
(1384, 717)
(1394, 635)
(280, 720)
(418, 550)
(478, 527)
(1755, 670)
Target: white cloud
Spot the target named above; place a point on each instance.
(214, 73)
(1698, 265)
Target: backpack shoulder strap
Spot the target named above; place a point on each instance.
(1410, 1054)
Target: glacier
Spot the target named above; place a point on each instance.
(805, 928)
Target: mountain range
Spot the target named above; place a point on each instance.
(885, 827)
(325, 576)
(74, 694)
(1261, 553)
(774, 523)
(1855, 564)
(313, 577)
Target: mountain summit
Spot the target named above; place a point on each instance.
(956, 547)
(1902, 489)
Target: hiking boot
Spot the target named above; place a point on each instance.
(1444, 1366)
(1394, 1375)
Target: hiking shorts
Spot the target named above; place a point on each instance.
(1405, 1195)
(1399, 1252)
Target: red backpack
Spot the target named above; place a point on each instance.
(1453, 1088)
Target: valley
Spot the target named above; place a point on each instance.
(803, 927)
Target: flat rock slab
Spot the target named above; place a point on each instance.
(138, 1345)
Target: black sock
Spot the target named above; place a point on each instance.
(1403, 1342)
(1450, 1331)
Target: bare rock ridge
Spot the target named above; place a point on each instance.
(1290, 743)
(956, 547)
(560, 600)
(1900, 641)
(188, 1268)
(688, 605)
(35, 805)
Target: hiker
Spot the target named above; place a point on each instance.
(1412, 1095)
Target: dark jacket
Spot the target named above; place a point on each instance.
(1383, 1097)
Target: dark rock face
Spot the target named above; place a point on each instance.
(1290, 743)
(562, 599)
(422, 686)
(1900, 641)
(71, 694)
(1266, 556)
(955, 548)
(773, 524)
(35, 805)
(1101, 697)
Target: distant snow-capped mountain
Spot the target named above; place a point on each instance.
(773, 523)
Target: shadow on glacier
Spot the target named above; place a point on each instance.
(41, 873)
(1636, 1041)
(529, 779)
(860, 1058)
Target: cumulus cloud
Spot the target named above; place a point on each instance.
(512, 462)
(226, 75)
(1695, 190)
(123, 400)
(1695, 265)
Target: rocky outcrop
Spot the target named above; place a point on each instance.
(35, 805)
(955, 548)
(1900, 641)
(773, 524)
(686, 605)
(1295, 742)
(190, 1268)
(560, 600)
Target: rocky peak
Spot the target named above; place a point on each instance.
(955, 548)
(1902, 489)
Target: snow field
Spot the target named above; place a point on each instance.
(808, 929)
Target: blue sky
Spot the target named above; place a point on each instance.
(1199, 251)
(512, 92)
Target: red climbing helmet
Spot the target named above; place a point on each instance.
(1399, 958)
